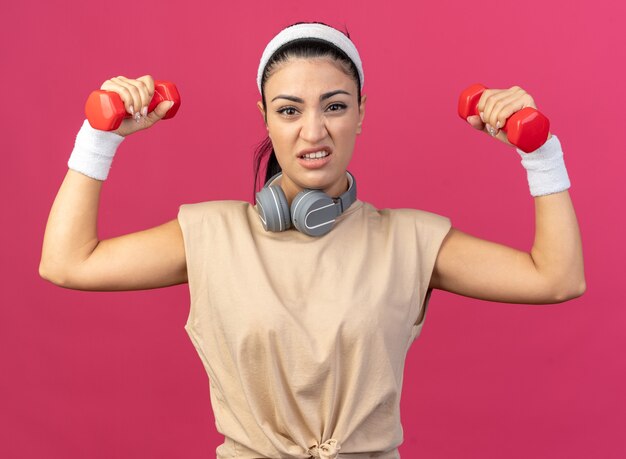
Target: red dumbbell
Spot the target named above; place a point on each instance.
(527, 129)
(105, 109)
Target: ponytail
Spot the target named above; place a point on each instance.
(264, 154)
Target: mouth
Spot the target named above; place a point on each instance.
(315, 158)
(313, 154)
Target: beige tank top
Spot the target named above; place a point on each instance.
(304, 339)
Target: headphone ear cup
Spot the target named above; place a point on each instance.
(273, 209)
(313, 212)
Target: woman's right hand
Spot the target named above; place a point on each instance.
(136, 95)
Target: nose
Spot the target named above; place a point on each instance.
(313, 127)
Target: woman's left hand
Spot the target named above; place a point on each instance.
(496, 106)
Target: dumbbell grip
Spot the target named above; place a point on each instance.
(105, 110)
(527, 129)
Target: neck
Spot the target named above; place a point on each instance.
(291, 189)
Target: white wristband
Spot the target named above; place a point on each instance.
(93, 151)
(545, 168)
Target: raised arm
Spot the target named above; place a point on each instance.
(553, 270)
(72, 255)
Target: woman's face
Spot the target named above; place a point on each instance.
(311, 107)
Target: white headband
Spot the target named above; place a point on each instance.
(310, 30)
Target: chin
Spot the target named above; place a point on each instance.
(317, 179)
(324, 182)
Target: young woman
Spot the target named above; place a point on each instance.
(304, 305)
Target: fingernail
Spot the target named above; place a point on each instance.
(490, 130)
(481, 117)
(144, 111)
(137, 116)
(132, 110)
(498, 124)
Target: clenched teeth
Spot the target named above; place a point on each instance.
(316, 155)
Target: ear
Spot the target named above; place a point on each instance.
(361, 113)
(259, 104)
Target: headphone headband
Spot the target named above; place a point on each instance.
(345, 200)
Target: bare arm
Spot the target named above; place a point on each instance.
(551, 272)
(73, 257)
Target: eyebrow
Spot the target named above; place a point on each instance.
(326, 95)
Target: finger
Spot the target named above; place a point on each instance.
(131, 95)
(125, 95)
(509, 106)
(476, 122)
(484, 98)
(148, 81)
(528, 100)
(148, 85)
(144, 94)
(502, 136)
(491, 130)
(493, 104)
(160, 111)
(503, 109)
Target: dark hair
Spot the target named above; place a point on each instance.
(307, 48)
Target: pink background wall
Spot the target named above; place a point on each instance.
(113, 374)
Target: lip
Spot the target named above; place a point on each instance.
(314, 163)
(314, 149)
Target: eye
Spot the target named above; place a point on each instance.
(288, 111)
(337, 106)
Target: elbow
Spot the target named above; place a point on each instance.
(44, 273)
(571, 291)
(53, 276)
